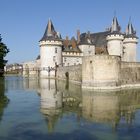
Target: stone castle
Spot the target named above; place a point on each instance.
(103, 60)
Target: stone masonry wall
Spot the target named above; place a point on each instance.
(130, 73)
(101, 72)
(73, 73)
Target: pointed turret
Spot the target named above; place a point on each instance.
(50, 32)
(115, 25)
(114, 39)
(130, 32)
(50, 51)
(129, 44)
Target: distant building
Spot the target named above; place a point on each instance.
(13, 68)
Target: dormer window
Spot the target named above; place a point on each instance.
(88, 40)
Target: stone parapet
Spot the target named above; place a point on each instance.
(115, 37)
(130, 40)
(50, 42)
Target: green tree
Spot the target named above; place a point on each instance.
(3, 51)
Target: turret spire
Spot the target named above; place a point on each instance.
(130, 30)
(50, 32)
(115, 25)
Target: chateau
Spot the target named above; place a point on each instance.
(100, 60)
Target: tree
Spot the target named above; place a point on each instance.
(3, 51)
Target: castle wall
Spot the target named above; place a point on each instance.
(31, 68)
(130, 74)
(108, 72)
(101, 72)
(72, 73)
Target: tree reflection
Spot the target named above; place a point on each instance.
(3, 98)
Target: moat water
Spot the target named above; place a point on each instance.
(32, 109)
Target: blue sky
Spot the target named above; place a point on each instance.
(23, 22)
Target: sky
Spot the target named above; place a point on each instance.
(23, 22)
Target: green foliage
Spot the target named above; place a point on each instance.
(3, 51)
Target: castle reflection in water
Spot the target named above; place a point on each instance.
(60, 97)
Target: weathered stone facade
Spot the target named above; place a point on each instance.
(103, 72)
(130, 74)
(31, 69)
(72, 73)
(109, 72)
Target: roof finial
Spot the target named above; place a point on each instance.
(129, 19)
(114, 13)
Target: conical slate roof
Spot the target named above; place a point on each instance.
(50, 33)
(115, 25)
(130, 32)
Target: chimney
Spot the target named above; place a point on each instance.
(78, 36)
(73, 42)
(67, 41)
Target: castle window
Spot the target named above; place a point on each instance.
(54, 58)
(89, 51)
(77, 60)
(55, 50)
(65, 59)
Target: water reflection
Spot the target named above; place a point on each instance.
(56, 99)
(3, 98)
(51, 102)
(112, 108)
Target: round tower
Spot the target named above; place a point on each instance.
(50, 51)
(115, 39)
(129, 44)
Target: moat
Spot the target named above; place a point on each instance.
(40, 109)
